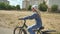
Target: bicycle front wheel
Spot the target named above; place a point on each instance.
(22, 31)
(19, 31)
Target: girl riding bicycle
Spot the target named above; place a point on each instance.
(35, 16)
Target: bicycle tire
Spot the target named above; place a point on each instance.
(20, 31)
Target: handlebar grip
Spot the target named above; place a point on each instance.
(22, 19)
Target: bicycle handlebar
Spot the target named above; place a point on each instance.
(22, 19)
(24, 25)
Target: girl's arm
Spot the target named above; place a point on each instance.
(30, 17)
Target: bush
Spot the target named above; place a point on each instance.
(18, 7)
(29, 7)
(9, 7)
(2, 6)
(43, 7)
(54, 7)
(13, 7)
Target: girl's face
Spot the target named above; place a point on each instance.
(33, 9)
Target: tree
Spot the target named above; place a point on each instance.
(54, 7)
(18, 7)
(2, 6)
(44, 2)
(43, 7)
(9, 7)
(29, 7)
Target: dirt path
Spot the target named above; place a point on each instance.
(6, 31)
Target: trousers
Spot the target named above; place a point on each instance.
(30, 30)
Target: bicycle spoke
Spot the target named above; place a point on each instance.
(40, 32)
(20, 31)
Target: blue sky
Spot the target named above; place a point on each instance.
(15, 2)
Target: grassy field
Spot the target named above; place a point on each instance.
(9, 19)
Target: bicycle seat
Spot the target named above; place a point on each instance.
(39, 28)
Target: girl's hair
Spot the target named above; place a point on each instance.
(37, 10)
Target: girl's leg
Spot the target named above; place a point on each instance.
(30, 30)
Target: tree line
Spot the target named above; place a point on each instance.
(42, 7)
(4, 6)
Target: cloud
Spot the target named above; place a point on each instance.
(15, 2)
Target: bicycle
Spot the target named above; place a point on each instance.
(23, 31)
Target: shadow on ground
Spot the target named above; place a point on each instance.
(49, 32)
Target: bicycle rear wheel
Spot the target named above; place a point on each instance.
(19, 31)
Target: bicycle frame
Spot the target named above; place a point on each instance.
(24, 25)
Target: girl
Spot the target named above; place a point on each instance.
(35, 16)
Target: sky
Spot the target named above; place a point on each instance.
(15, 2)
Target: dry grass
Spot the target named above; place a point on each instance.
(10, 19)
